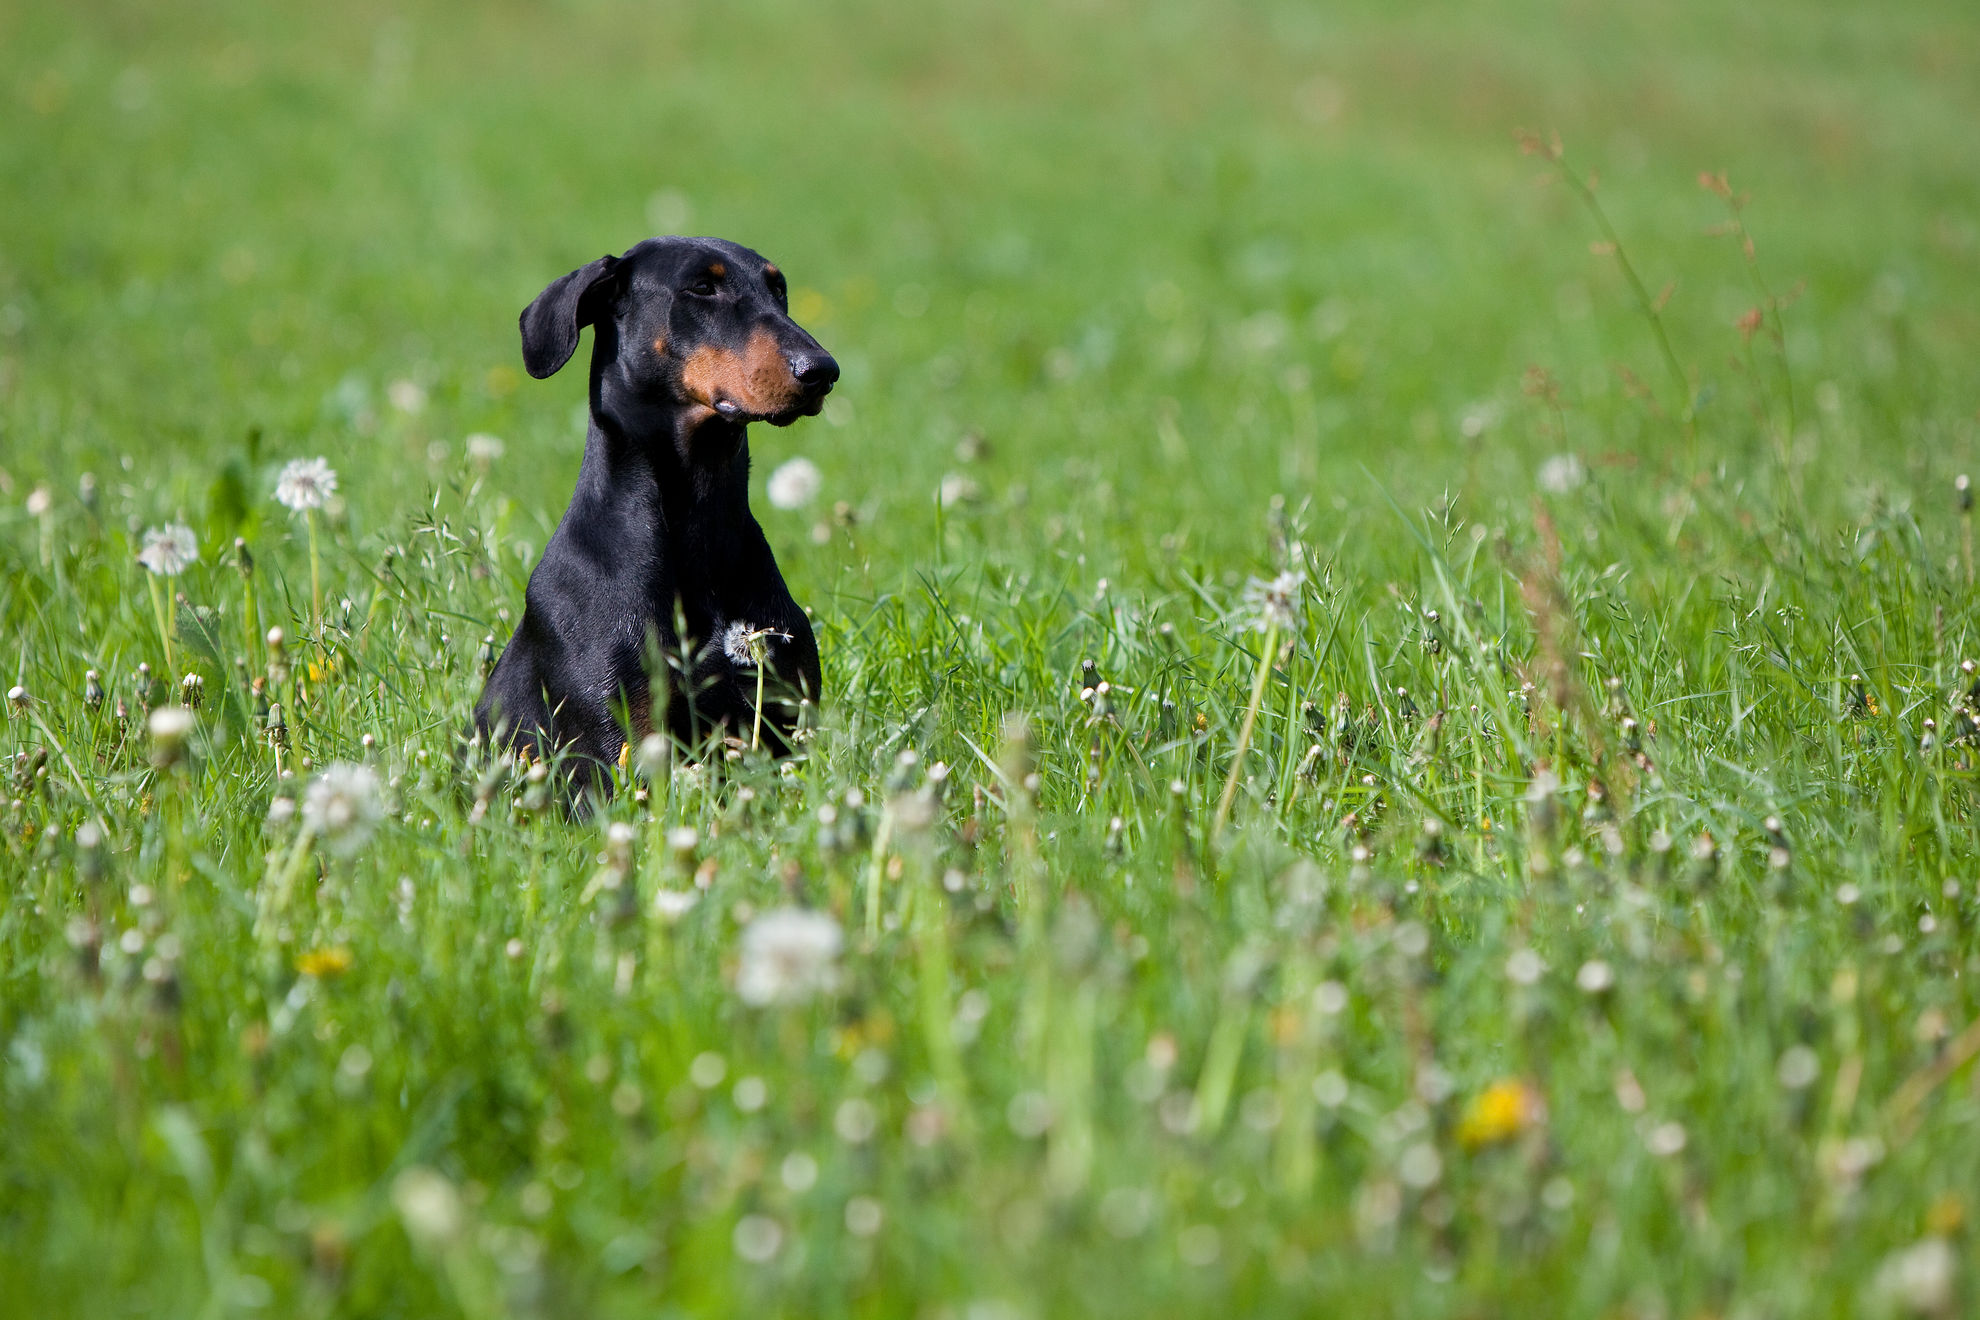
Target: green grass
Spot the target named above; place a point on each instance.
(1219, 293)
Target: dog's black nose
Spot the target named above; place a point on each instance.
(815, 371)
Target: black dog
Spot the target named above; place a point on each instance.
(693, 341)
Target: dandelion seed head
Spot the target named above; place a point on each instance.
(305, 483)
(1666, 1139)
(170, 726)
(1798, 1068)
(958, 489)
(799, 1171)
(483, 449)
(742, 643)
(169, 550)
(1561, 474)
(1919, 1278)
(707, 1070)
(795, 483)
(1330, 1088)
(757, 1238)
(1272, 604)
(736, 643)
(1420, 1166)
(788, 955)
(428, 1204)
(1330, 997)
(1595, 976)
(670, 905)
(863, 1216)
(343, 806)
(1029, 1114)
(855, 1121)
(408, 396)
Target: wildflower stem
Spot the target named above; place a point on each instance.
(276, 886)
(315, 574)
(882, 837)
(1644, 301)
(1265, 655)
(937, 1012)
(167, 617)
(756, 718)
(250, 623)
(1966, 542)
(82, 785)
(1213, 1088)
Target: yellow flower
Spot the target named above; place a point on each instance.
(319, 672)
(324, 963)
(1500, 1112)
(1946, 1216)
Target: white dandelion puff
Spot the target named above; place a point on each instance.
(305, 483)
(1524, 967)
(483, 449)
(408, 396)
(795, 484)
(169, 550)
(864, 1216)
(1561, 474)
(740, 642)
(670, 905)
(959, 489)
(788, 955)
(429, 1205)
(1798, 1068)
(1273, 605)
(757, 1238)
(170, 725)
(343, 806)
(1666, 1139)
(1919, 1278)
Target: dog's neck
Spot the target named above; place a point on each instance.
(698, 459)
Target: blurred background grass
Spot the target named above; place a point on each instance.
(1167, 259)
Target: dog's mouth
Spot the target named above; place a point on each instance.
(806, 404)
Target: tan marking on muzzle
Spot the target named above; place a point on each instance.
(758, 379)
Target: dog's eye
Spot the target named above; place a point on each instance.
(702, 288)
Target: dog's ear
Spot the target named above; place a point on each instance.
(550, 324)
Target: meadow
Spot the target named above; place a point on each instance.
(1396, 588)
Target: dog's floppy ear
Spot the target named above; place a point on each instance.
(550, 324)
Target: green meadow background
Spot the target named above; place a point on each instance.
(1156, 299)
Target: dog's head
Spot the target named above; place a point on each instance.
(698, 322)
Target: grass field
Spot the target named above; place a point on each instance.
(1229, 400)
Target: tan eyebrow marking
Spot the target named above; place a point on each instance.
(769, 270)
(717, 269)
